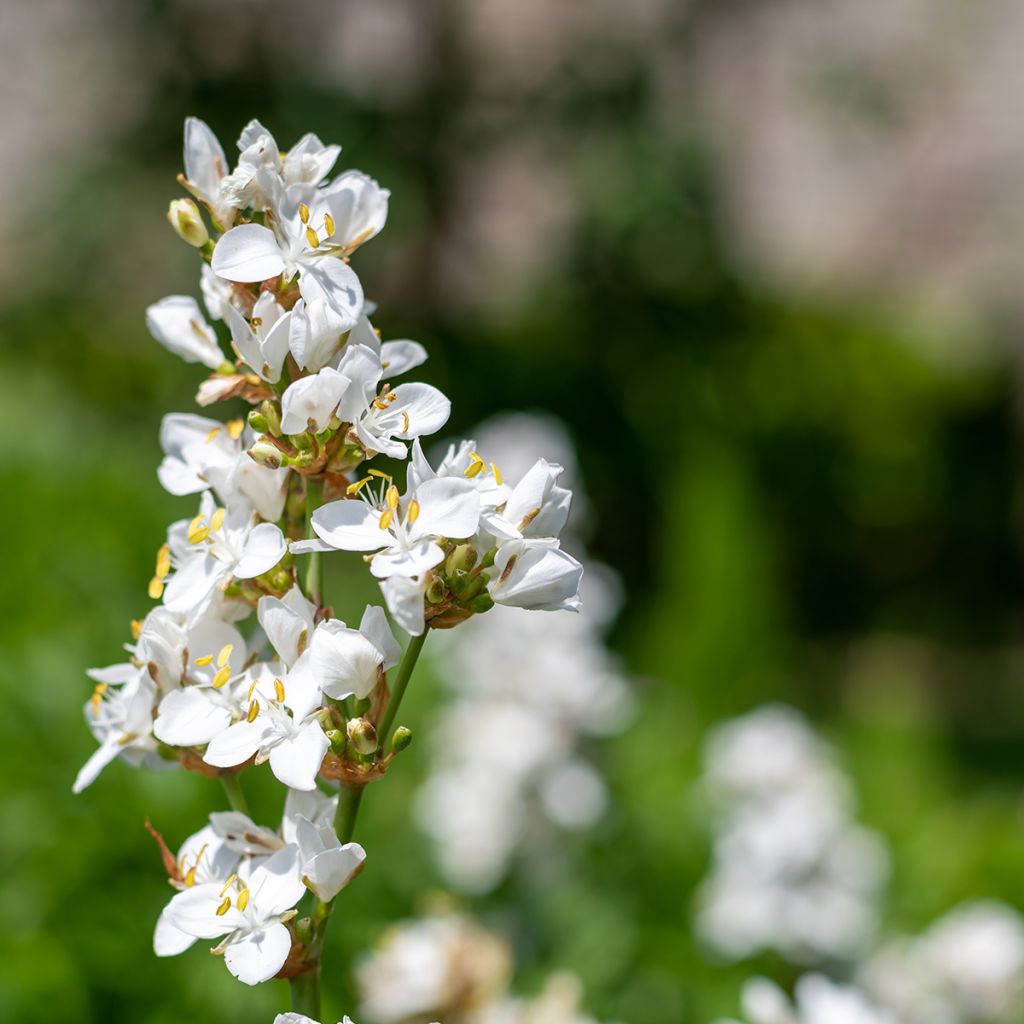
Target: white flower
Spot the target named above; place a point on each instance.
(327, 864)
(215, 546)
(536, 507)
(535, 574)
(462, 462)
(404, 598)
(288, 623)
(160, 646)
(203, 858)
(310, 402)
(300, 1018)
(250, 911)
(384, 421)
(403, 531)
(347, 662)
(200, 453)
(120, 715)
(280, 725)
(177, 323)
(817, 1001)
(205, 168)
(261, 341)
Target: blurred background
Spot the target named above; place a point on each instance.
(761, 260)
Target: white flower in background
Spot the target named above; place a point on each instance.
(536, 574)
(120, 716)
(203, 858)
(300, 1018)
(817, 1000)
(215, 546)
(310, 402)
(791, 870)
(403, 531)
(385, 418)
(966, 968)
(249, 910)
(279, 726)
(261, 341)
(558, 1002)
(201, 453)
(536, 507)
(347, 662)
(177, 323)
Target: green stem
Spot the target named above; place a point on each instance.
(233, 788)
(412, 652)
(314, 496)
(306, 993)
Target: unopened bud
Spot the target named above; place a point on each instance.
(302, 460)
(183, 215)
(303, 441)
(462, 559)
(269, 411)
(401, 739)
(258, 422)
(263, 453)
(482, 603)
(362, 735)
(337, 739)
(304, 930)
(435, 591)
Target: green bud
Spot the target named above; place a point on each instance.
(337, 738)
(462, 559)
(269, 411)
(362, 705)
(488, 560)
(280, 580)
(304, 930)
(226, 368)
(482, 603)
(435, 591)
(362, 735)
(401, 739)
(303, 441)
(184, 217)
(258, 421)
(302, 460)
(263, 453)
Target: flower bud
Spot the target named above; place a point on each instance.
(303, 441)
(362, 735)
(337, 739)
(258, 421)
(462, 559)
(304, 930)
(302, 460)
(435, 592)
(269, 411)
(263, 453)
(401, 739)
(183, 215)
(482, 603)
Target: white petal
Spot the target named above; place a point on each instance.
(245, 339)
(288, 623)
(535, 574)
(404, 598)
(257, 956)
(168, 939)
(247, 253)
(428, 409)
(275, 882)
(329, 872)
(296, 761)
(194, 911)
(264, 548)
(192, 582)
(205, 163)
(238, 743)
(344, 661)
(374, 626)
(359, 207)
(333, 282)
(312, 398)
(99, 760)
(412, 561)
(449, 507)
(398, 357)
(188, 718)
(350, 525)
(177, 323)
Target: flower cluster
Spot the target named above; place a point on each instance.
(817, 1000)
(505, 750)
(791, 870)
(309, 469)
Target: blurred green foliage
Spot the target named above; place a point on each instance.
(803, 506)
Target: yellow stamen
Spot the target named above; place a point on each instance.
(311, 237)
(392, 497)
(255, 323)
(136, 627)
(224, 654)
(474, 469)
(190, 877)
(217, 519)
(279, 689)
(304, 213)
(224, 907)
(385, 519)
(243, 899)
(156, 588)
(254, 710)
(380, 402)
(235, 428)
(227, 885)
(196, 526)
(379, 473)
(414, 511)
(212, 434)
(357, 486)
(206, 659)
(198, 536)
(163, 561)
(497, 474)
(405, 422)
(222, 676)
(328, 224)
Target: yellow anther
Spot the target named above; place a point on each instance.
(190, 877)
(197, 526)
(392, 396)
(385, 519)
(391, 496)
(497, 474)
(304, 213)
(206, 659)
(243, 899)
(224, 907)
(328, 224)
(212, 434)
(255, 323)
(136, 628)
(252, 689)
(474, 469)
(357, 486)
(311, 237)
(414, 511)
(279, 689)
(156, 588)
(198, 536)
(235, 428)
(227, 885)
(224, 654)
(217, 519)
(380, 402)
(254, 710)
(163, 561)
(405, 422)
(222, 676)
(97, 697)
(379, 473)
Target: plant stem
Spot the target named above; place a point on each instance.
(412, 652)
(233, 788)
(314, 496)
(306, 993)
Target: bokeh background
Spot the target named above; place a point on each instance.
(764, 262)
